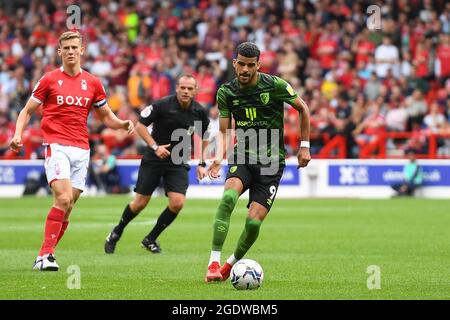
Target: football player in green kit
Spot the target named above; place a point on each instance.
(256, 102)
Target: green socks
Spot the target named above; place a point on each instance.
(222, 223)
(222, 219)
(248, 237)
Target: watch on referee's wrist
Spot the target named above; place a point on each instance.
(154, 146)
(202, 164)
(304, 144)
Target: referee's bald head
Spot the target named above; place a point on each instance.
(186, 75)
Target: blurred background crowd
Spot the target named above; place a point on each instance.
(358, 83)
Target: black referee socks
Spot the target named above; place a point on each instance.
(164, 220)
(127, 216)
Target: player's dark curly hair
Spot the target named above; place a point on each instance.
(248, 50)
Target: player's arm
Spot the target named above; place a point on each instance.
(222, 143)
(201, 168)
(206, 137)
(148, 116)
(108, 117)
(105, 114)
(160, 150)
(22, 121)
(303, 155)
(224, 125)
(286, 93)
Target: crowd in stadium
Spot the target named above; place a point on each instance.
(357, 82)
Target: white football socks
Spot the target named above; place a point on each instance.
(215, 256)
(232, 260)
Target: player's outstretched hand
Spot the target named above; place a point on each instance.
(129, 126)
(16, 144)
(162, 152)
(303, 157)
(213, 170)
(201, 172)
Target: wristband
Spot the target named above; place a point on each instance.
(304, 144)
(202, 164)
(154, 146)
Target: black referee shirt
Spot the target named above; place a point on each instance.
(167, 115)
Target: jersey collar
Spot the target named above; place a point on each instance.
(62, 70)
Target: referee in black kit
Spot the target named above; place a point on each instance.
(173, 113)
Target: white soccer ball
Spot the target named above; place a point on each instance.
(246, 274)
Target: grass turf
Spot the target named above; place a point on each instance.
(309, 249)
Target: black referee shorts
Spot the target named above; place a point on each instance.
(262, 188)
(175, 177)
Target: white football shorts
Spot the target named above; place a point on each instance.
(66, 162)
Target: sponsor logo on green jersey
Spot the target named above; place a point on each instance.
(241, 123)
(250, 113)
(265, 97)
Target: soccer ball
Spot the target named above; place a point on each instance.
(246, 274)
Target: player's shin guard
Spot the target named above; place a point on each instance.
(53, 226)
(248, 237)
(222, 219)
(64, 226)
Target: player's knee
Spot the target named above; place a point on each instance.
(137, 205)
(230, 198)
(69, 209)
(64, 202)
(253, 225)
(176, 205)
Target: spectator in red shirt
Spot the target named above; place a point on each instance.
(206, 86)
(160, 83)
(372, 125)
(326, 50)
(443, 56)
(363, 47)
(421, 60)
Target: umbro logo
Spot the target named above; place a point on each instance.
(60, 82)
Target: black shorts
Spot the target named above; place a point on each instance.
(175, 177)
(263, 188)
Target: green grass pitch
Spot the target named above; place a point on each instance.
(309, 249)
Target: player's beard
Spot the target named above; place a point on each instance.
(247, 79)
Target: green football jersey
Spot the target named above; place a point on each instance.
(258, 112)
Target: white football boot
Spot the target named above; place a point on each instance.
(49, 263)
(37, 263)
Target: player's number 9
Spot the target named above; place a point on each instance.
(272, 191)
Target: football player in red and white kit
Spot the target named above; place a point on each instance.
(67, 95)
